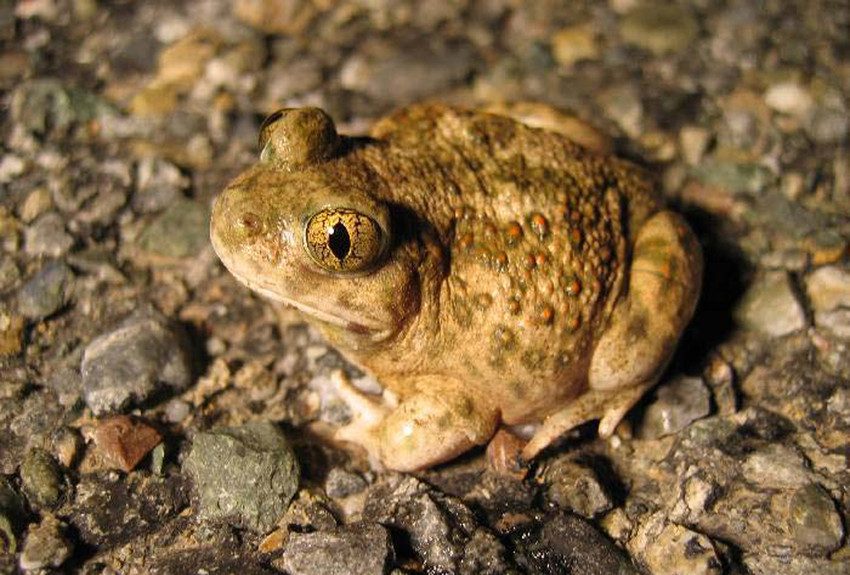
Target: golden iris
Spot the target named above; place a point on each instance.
(343, 240)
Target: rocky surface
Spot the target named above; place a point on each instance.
(126, 351)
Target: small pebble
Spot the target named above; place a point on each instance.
(46, 545)
(158, 184)
(789, 98)
(11, 334)
(574, 44)
(828, 289)
(575, 487)
(678, 403)
(12, 516)
(122, 442)
(46, 236)
(660, 27)
(342, 483)
(41, 479)
(36, 203)
(693, 141)
(47, 292)
(11, 166)
(670, 549)
(771, 307)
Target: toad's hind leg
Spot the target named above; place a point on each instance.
(664, 283)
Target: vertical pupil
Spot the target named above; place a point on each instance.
(339, 241)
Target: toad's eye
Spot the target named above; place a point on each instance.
(344, 240)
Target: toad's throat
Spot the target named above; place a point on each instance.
(359, 326)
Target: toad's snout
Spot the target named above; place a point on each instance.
(235, 221)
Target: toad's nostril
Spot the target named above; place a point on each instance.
(250, 223)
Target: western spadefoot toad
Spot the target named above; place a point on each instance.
(486, 272)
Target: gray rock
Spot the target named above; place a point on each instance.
(342, 483)
(356, 549)
(405, 73)
(568, 544)
(46, 292)
(575, 487)
(144, 354)
(45, 546)
(770, 306)
(41, 479)
(678, 403)
(179, 232)
(46, 236)
(158, 185)
(244, 476)
(440, 528)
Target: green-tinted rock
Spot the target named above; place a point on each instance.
(735, 177)
(179, 232)
(244, 476)
(41, 478)
(11, 516)
(659, 27)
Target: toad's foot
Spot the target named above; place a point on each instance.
(664, 281)
(610, 405)
(431, 426)
(367, 413)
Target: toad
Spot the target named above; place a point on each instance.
(486, 272)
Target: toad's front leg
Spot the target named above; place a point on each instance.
(436, 423)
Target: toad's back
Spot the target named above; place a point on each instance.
(536, 231)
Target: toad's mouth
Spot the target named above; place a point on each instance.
(358, 325)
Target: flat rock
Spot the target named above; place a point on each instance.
(355, 549)
(143, 355)
(243, 476)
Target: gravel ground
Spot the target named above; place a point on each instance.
(135, 374)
